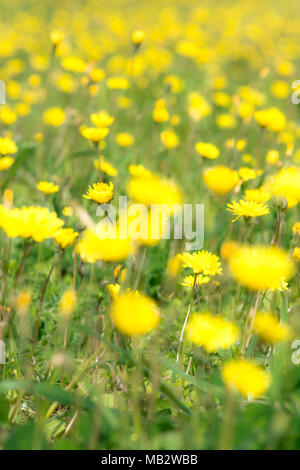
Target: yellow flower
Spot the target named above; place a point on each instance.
(113, 289)
(7, 116)
(169, 139)
(287, 183)
(139, 171)
(6, 162)
(202, 262)
(68, 302)
(56, 37)
(207, 150)
(198, 107)
(23, 301)
(102, 119)
(174, 266)
(269, 328)
(247, 173)
(97, 75)
(272, 157)
(261, 267)
(296, 228)
(134, 313)
(246, 377)
(226, 121)
(54, 117)
(188, 281)
(280, 89)
(296, 254)
(65, 237)
(8, 198)
(124, 139)
(272, 119)
(160, 114)
(174, 83)
(222, 99)
(35, 222)
(220, 179)
(228, 249)
(73, 64)
(154, 190)
(7, 146)
(247, 209)
(102, 193)
(117, 83)
(257, 195)
(211, 332)
(95, 134)
(103, 243)
(105, 167)
(47, 187)
(67, 211)
(138, 37)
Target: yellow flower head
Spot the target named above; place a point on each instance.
(257, 195)
(202, 262)
(73, 64)
(102, 193)
(174, 266)
(228, 249)
(47, 187)
(67, 211)
(113, 289)
(160, 114)
(103, 243)
(247, 173)
(226, 121)
(198, 108)
(105, 167)
(65, 237)
(154, 190)
(68, 302)
(296, 254)
(287, 183)
(269, 328)
(23, 301)
(138, 37)
(117, 83)
(102, 119)
(272, 119)
(169, 139)
(207, 150)
(56, 37)
(134, 313)
(296, 228)
(95, 134)
(188, 281)
(261, 267)
(139, 171)
(244, 376)
(124, 139)
(6, 163)
(248, 209)
(212, 332)
(220, 179)
(7, 146)
(54, 117)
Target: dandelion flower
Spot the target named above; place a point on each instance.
(188, 281)
(65, 237)
(247, 209)
(7, 146)
(202, 262)
(246, 377)
(101, 193)
(220, 179)
(54, 117)
(47, 187)
(6, 163)
(124, 139)
(269, 328)
(207, 150)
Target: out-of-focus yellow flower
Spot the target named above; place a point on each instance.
(6, 163)
(198, 107)
(228, 249)
(97, 75)
(134, 313)
(280, 89)
(68, 303)
(188, 281)
(34, 80)
(67, 211)
(102, 119)
(252, 96)
(139, 171)
(117, 83)
(160, 114)
(39, 137)
(272, 119)
(169, 139)
(175, 83)
(124, 139)
(174, 266)
(95, 134)
(8, 198)
(54, 117)
(211, 332)
(247, 209)
(247, 173)
(23, 109)
(287, 183)
(56, 37)
(202, 262)
(23, 301)
(269, 328)
(226, 121)
(154, 190)
(296, 254)
(285, 68)
(257, 195)
(101, 193)
(66, 83)
(113, 290)
(65, 237)
(7, 146)
(272, 157)
(103, 243)
(244, 376)
(47, 187)
(222, 99)
(296, 228)
(105, 167)
(124, 102)
(207, 150)
(73, 64)
(138, 37)
(175, 120)
(261, 267)
(220, 179)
